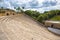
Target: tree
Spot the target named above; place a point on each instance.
(28, 12)
(40, 18)
(14, 7)
(57, 12)
(18, 9)
(2, 8)
(23, 7)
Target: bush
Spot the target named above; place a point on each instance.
(42, 16)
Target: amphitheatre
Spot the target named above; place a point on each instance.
(22, 27)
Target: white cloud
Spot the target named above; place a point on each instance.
(40, 1)
(26, 3)
(58, 1)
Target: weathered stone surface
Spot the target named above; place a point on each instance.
(21, 27)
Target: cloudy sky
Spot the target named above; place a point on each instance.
(39, 5)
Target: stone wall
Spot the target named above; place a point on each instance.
(50, 24)
(7, 12)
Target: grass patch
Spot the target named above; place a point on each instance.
(56, 18)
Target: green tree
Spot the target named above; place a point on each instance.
(18, 9)
(40, 18)
(2, 8)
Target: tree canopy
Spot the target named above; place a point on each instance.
(42, 16)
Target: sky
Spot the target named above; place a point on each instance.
(39, 5)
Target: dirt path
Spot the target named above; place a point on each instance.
(21, 27)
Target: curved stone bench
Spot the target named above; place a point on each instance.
(54, 30)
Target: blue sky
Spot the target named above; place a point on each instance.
(39, 5)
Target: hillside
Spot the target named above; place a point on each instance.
(56, 18)
(41, 17)
(22, 27)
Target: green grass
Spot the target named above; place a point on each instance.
(56, 18)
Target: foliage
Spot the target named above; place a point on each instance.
(47, 15)
(19, 9)
(33, 14)
(55, 18)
